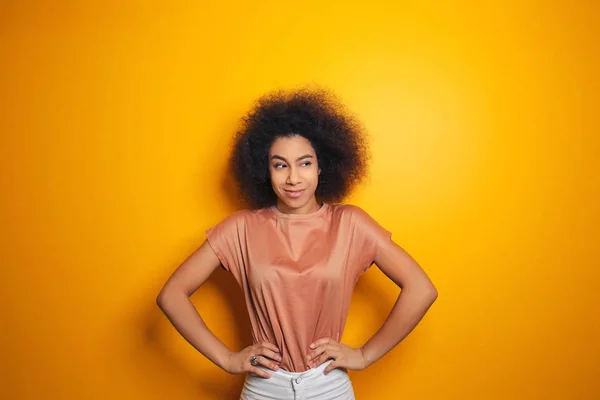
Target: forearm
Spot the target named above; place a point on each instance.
(410, 307)
(184, 316)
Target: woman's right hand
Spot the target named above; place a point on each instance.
(266, 353)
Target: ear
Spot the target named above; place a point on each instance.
(319, 173)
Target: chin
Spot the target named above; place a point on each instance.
(293, 203)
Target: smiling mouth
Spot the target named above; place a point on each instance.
(294, 193)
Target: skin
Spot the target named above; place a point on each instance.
(294, 172)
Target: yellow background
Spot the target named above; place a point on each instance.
(115, 124)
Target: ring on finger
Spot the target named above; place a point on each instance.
(254, 360)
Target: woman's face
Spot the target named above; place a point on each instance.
(294, 174)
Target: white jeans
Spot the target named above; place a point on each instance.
(308, 385)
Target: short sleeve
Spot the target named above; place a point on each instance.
(224, 239)
(368, 238)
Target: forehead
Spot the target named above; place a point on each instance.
(293, 146)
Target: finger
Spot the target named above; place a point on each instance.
(259, 372)
(270, 346)
(319, 342)
(272, 355)
(330, 367)
(315, 353)
(319, 350)
(267, 363)
(326, 356)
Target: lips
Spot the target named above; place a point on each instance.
(294, 193)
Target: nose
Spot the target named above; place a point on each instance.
(293, 178)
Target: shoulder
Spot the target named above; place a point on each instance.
(365, 228)
(351, 212)
(348, 209)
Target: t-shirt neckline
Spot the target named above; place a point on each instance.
(313, 214)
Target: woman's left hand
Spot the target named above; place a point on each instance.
(343, 356)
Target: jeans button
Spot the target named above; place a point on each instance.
(298, 380)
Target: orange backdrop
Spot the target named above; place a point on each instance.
(483, 119)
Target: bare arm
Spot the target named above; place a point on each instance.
(417, 295)
(174, 301)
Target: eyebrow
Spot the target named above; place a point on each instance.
(298, 159)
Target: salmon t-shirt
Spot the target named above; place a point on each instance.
(297, 271)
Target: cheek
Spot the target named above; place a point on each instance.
(275, 177)
(313, 178)
(315, 173)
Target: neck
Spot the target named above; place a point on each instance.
(310, 207)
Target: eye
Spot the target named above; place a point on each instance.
(279, 165)
(307, 163)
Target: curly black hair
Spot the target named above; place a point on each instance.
(337, 137)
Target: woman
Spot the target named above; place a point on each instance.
(297, 253)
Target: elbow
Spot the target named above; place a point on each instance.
(163, 299)
(160, 300)
(431, 294)
(424, 293)
(169, 296)
(434, 295)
